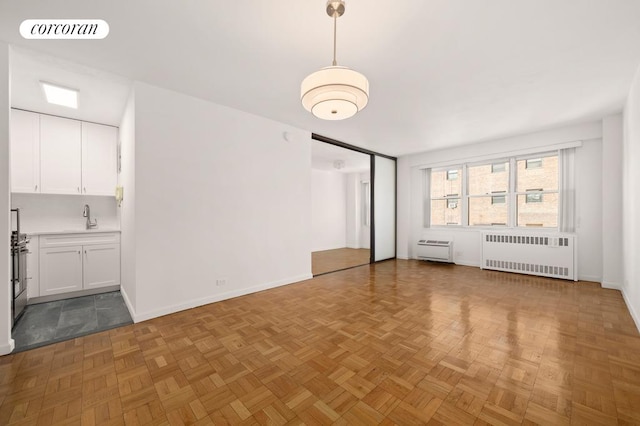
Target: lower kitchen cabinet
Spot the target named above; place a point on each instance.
(101, 265)
(60, 270)
(74, 262)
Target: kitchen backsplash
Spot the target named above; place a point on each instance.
(51, 212)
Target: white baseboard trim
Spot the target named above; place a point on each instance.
(8, 348)
(632, 311)
(611, 285)
(143, 316)
(128, 304)
(402, 257)
(466, 263)
(591, 278)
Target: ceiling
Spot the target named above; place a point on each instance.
(441, 72)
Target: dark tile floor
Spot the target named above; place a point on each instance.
(53, 322)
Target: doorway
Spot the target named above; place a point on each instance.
(341, 208)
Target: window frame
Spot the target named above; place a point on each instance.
(460, 168)
(511, 196)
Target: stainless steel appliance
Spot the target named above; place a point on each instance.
(19, 252)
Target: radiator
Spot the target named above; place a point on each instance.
(547, 255)
(440, 251)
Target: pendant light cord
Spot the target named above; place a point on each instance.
(335, 22)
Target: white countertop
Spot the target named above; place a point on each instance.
(72, 231)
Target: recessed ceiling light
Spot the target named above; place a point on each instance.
(59, 95)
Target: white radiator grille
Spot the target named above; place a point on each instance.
(535, 254)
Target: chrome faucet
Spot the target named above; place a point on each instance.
(86, 212)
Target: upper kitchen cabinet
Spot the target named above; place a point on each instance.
(99, 159)
(60, 155)
(54, 155)
(25, 151)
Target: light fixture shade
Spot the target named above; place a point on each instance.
(334, 93)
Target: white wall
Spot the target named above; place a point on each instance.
(328, 210)
(631, 200)
(6, 342)
(467, 247)
(127, 212)
(220, 195)
(612, 140)
(353, 210)
(365, 230)
(52, 212)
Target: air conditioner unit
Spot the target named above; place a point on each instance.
(439, 251)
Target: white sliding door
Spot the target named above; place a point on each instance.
(384, 201)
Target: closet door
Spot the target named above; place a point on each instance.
(384, 202)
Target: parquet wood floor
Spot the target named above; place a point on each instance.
(400, 342)
(338, 259)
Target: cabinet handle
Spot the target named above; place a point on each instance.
(78, 189)
(36, 188)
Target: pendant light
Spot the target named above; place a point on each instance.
(335, 92)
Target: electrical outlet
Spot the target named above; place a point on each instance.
(221, 282)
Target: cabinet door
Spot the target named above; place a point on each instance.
(99, 159)
(60, 155)
(33, 276)
(25, 151)
(60, 270)
(101, 265)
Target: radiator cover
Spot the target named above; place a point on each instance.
(547, 255)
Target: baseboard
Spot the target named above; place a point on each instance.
(632, 311)
(144, 316)
(128, 304)
(591, 278)
(466, 263)
(611, 285)
(8, 348)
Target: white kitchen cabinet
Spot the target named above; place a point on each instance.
(81, 261)
(99, 159)
(60, 155)
(33, 260)
(101, 265)
(60, 270)
(25, 151)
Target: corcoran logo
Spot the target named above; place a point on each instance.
(55, 29)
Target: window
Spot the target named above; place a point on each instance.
(487, 201)
(498, 167)
(444, 195)
(537, 207)
(512, 192)
(498, 199)
(533, 163)
(535, 197)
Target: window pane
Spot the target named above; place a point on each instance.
(543, 213)
(483, 181)
(543, 177)
(442, 214)
(442, 187)
(483, 212)
(498, 167)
